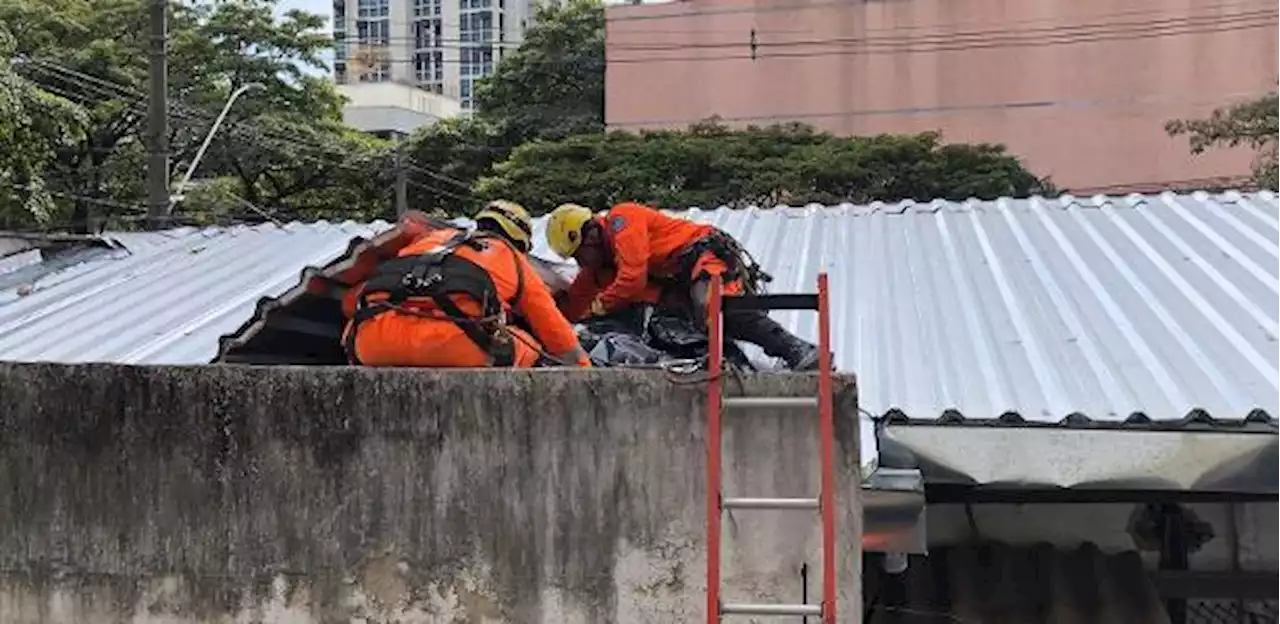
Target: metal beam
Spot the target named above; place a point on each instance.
(1184, 584)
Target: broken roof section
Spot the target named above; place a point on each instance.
(158, 297)
(1141, 309)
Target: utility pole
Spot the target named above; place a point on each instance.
(402, 177)
(158, 116)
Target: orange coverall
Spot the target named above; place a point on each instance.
(395, 338)
(645, 243)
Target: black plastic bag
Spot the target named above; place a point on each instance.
(617, 349)
(676, 335)
(627, 321)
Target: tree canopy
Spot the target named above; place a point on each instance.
(284, 142)
(34, 124)
(712, 165)
(1254, 124)
(550, 87)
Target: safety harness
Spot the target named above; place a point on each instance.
(738, 261)
(436, 276)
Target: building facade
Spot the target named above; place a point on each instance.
(441, 46)
(389, 110)
(1079, 90)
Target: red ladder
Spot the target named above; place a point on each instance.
(716, 402)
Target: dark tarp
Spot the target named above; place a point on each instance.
(648, 336)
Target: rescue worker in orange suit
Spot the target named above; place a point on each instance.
(638, 246)
(446, 300)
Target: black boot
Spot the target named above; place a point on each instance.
(756, 327)
(804, 357)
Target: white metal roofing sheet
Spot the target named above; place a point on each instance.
(168, 298)
(1154, 307)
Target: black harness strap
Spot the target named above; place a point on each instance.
(437, 276)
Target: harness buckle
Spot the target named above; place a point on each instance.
(419, 283)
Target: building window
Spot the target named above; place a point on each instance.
(422, 32)
(373, 35)
(340, 44)
(340, 52)
(373, 32)
(426, 8)
(376, 9)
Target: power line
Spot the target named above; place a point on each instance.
(983, 36)
(238, 128)
(1009, 42)
(261, 134)
(113, 91)
(945, 37)
(350, 38)
(83, 198)
(1146, 99)
(868, 47)
(657, 13)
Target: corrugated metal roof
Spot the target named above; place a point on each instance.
(1142, 306)
(1154, 307)
(167, 299)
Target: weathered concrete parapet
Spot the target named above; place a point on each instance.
(286, 494)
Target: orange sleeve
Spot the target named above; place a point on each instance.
(549, 326)
(577, 301)
(630, 230)
(349, 300)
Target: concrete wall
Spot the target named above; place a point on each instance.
(236, 494)
(1080, 90)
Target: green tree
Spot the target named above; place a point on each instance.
(446, 158)
(284, 142)
(1255, 124)
(551, 87)
(710, 165)
(34, 124)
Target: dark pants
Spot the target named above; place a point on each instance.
(756, 327)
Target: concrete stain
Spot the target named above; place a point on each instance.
(282, 494)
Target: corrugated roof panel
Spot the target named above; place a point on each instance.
(1113, 308)
(169, 299)
(1155, 306)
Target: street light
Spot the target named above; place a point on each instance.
(177, 193)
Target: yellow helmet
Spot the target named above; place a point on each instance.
(564, 228)
(512, 218)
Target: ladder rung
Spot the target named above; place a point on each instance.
(770, 402)
(770, 609)
(770, 503)
(771, 302)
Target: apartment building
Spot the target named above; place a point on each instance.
(441, 46)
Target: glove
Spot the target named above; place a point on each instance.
(597, 308)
